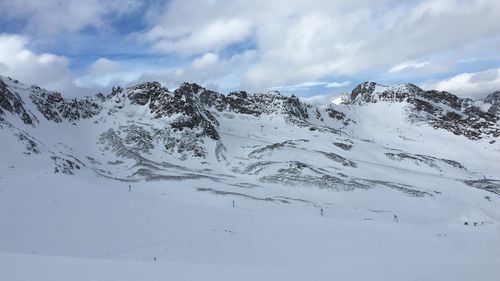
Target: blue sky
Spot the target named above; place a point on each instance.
(308, 48)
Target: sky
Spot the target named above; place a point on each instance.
(313, 49)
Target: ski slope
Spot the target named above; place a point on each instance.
(62, 228)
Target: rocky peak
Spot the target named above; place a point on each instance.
(242, 102)
(442, 110)
(186, 102)
(142, 93)
(56, 108)
(363, 91)
(12, 102)
(494, 100)
(240, 94)
(190, 88)
(493, 97)
(370, 92)
(460, 116)
(294, 107)
(442, 97)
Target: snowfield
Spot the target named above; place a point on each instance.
(61, 228)
(285, 192)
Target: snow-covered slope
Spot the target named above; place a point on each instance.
(427, 157)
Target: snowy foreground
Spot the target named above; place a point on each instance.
(57, 227)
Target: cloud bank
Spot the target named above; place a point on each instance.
(257, 45)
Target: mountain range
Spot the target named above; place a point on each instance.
(254, 186)
(146, 132)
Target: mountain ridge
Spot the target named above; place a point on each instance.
(154, 133)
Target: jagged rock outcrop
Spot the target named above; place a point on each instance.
(370, 92)
(13, 103)
(333, 113)
(440, 109)
(56, 108)
(494, 100)
(185, 102)
(141, 94)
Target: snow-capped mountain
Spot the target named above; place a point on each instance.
(425, 156)
(437, 108)
(146, 132)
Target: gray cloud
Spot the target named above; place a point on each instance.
(307, 40)
(288, 42)
(49, 17)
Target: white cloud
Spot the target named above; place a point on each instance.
(206, 60)
(320, 99)
(301, 40)
(104, 73)
(104, 66)
(49, 17)
(475, 85)
(409, 65)
(338, 84)
(307, 85)
(209, 70)
(212, 37)
(300, 86)
(46, 70)
(259, 44)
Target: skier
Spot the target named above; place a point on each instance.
(396, 218)
(129, 188)
(322, 212)
(233, 203)
(154, 258)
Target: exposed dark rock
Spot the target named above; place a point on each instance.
(259, 153)
(302, 174)
(185, 101)
(367, 92)
(363, 91)
(494, 100)
(138, 137)
(30, 145)
(64, 166)
(343, 145)
(407, 189)
(13, 103)
(490, 185)
(254, 168)
(442, 97)
(141, 94)
(420, 159)
(339, 159)
(55, 108)
(442, 110)
(337, 115)
(231, 193)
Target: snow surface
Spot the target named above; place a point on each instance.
(88, 227)
(64, 228)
